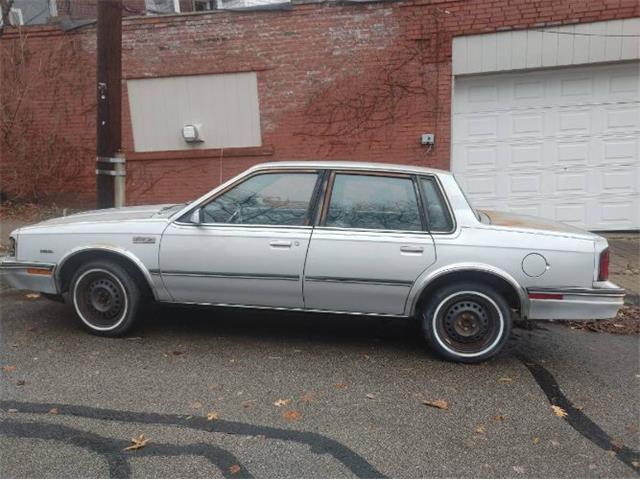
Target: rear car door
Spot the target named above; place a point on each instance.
(249, 247)
(370, 245)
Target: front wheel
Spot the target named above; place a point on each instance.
(105, 297)
(466, 322)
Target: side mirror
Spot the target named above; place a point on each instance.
(196, 217)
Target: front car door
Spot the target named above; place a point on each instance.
(370, 245)
(249, 247)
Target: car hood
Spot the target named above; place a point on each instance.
(141, 212)
(513, 220)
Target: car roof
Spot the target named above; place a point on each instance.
(350, 165)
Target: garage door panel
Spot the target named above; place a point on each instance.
(561, 143)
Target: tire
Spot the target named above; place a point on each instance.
(105, 297)
(466, 322)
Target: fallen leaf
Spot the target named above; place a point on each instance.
(365, 356)
(559, 411)
(505, 380)
(308, 397)
(341, 385)
(233, 469)
(213, 416)
(20, 383)
(498, 418)
(441, 404)
(8, 368)
(370, 396)
(555, 443)
(282, 402)
(536, 440)
(137, 443)
(292, 415)
(177, 353)
(32, 295)
(617, 444)
(480, 428)
(54, 411)
(247, 404)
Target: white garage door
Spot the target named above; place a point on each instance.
(560, 143)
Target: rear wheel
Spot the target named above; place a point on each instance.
(105, 297)
(467, 322)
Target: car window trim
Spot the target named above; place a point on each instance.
(210, 199)
(326, 200)
(440, 189)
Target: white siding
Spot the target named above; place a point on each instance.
(537, 48)
(225, 106)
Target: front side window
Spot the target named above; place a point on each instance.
(264, 199)
(438, 215)
(373, 202)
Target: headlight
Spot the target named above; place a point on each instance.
(12, 247)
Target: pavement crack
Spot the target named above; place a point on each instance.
(576, 418)
(318, 443)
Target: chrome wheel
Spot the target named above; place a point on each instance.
(468, 324)
(100, 299)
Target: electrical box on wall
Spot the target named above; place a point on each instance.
(427, 139)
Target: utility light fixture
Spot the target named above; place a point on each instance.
(191, 133)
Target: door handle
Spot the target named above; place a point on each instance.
(280, 244)
(411, 249)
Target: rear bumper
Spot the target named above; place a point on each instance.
(34, 276)
(575, 303)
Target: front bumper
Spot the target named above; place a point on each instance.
(575, 303)
(34, 276)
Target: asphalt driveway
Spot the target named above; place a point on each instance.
(220, 393)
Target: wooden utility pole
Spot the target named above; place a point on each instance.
(109, 89)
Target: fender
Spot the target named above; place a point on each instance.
(428, 277)
(104, 248)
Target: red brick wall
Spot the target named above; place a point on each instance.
(336, 81)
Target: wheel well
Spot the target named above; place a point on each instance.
(72, 264)
(506, 289)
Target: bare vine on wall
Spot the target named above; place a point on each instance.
(38, 153)
(395, 83)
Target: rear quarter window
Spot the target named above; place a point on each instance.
(438, 215)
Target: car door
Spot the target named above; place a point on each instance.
(249, 246)
(370, 244)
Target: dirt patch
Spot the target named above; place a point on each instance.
(627, 322)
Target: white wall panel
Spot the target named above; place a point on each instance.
(225, 105)
(552, 46)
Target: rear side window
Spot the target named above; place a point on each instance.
(373, 202)
(438, 215)
(264, 199)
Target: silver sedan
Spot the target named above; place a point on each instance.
(343, 237)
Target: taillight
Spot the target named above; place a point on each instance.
(603, 266)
